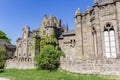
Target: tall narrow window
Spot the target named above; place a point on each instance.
(112, 44)
(94, 41)
(109, 39)
(107, 44)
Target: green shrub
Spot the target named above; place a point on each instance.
(3, 57)
(48, 58)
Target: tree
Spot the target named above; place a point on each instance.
(3, 37)
(49, 56)
(3, 54)
(3, 57)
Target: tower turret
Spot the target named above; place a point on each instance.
(26, 34)
(78, 16)
(26, 31)
(95, 2)
(50, 26)
(51, 20)
(88, 9)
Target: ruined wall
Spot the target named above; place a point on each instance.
(20, 64)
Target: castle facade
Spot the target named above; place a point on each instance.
(94, 45)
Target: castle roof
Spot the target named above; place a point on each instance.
(106, 2)
(3, 43)
(69, 33)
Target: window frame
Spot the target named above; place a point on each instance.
(111, 43)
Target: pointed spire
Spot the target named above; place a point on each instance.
(88, 9)
(51, 16)
(45, 17)
(67, 26)
(51, 20)
(44, 20)
(95, 2)
(77, 12)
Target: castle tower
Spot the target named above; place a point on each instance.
(25, 35)
(78, 32)
(50, 26)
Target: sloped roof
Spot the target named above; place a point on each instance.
(3, 43)
(70, 32)
(105, 2)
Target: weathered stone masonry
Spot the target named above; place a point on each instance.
(29, 45)
(96, 40)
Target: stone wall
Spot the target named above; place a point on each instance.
(103, 66)
(18, 64)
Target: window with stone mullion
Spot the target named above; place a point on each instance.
(110, 47)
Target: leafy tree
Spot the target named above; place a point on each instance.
(3, 57)
(3, 37)
(49, 58)
(3, 54)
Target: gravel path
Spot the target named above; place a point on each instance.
(4, 79)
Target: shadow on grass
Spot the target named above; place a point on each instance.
(1, 70)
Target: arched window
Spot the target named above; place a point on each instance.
(109, 39)
(94, 40)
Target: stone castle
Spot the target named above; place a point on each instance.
(92, 48)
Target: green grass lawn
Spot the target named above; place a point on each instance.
(14, 74)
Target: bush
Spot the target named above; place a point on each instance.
(2, 57)
(48, 58)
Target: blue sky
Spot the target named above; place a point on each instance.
(15, 14)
